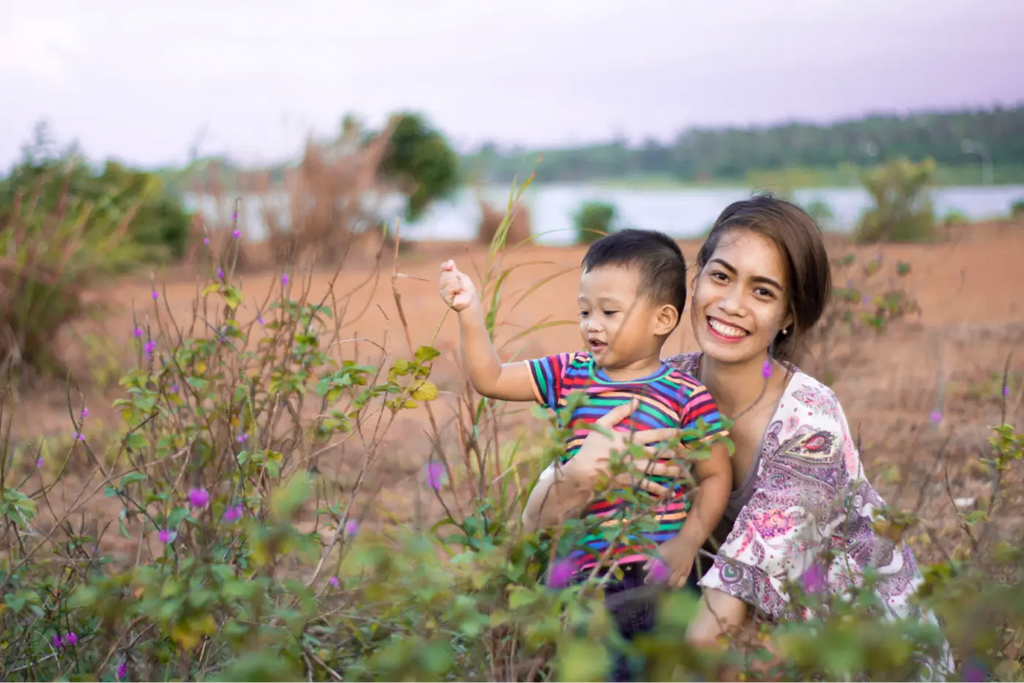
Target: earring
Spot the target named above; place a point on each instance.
(785, 331)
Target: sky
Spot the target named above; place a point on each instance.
(145, 81)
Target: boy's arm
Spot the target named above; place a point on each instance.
(487, 374)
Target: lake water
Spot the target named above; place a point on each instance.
(678, 212)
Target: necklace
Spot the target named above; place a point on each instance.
(764, 388)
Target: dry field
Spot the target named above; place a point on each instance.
(970, 289)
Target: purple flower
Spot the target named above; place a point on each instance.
(351, 527)
(39, 462)
(242, 438)
(69, 639)
(174, 388)
(167, 535)
(206, 241)
(85, 413)
(233, 513)
(561, 573)
(936, 416)
(56, 640)
(284, 279)
(236, 234)
(974, 670)
(220, 273)
(149, 348)
(261, 321)
(658, 572)
(1006, 391)
(122, 669)
(137, 332)
(435, 475)
(234, 217)
(333, 581)
(813, 579)
(79, 437)
(198, 498)
(766, 369)
(156, 295)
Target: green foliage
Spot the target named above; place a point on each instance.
(245, 563)
(902, 211)
(1017, 210)
(421, 162)
(592, 221)
(807, 154)
(821, 212)
(955, 217)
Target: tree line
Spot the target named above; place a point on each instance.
(955, 138)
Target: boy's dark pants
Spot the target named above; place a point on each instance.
(634, 612)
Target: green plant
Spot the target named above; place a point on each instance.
(902, 211)
(955, 217)
(1017, 210)
(871, 299)
(421, 162)
(821, 212)
(593, 220)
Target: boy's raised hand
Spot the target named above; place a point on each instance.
(457, 288)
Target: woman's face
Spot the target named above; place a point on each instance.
(739, 298)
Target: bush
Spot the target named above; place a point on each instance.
(902, 211)
(955, 217)
(821, 212)
(421, 162)
(262, 571)
(53, 245)
(593, 221)
(1017, 210)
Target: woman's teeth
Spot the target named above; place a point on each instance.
(726, 330)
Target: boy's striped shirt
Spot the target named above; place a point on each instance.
(667, 398)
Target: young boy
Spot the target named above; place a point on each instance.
(631, 297)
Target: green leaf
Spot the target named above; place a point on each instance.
(232, 296)
(425, 391)
(520, 596)
(425, 354)
(176, 517)
(131, 478)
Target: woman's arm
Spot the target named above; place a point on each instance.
(553, 500)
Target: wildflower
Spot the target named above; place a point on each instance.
(560, 574)
(168, 535)
(206, 241)
(813, 580)
(242, 438)
(1006, 391)
(766, 369)
(284, 279)
(39, 462)
(261, 321)
(137, 332)
(351, 527)
(233, 513)
(333, 581)
(85, 413)
(156, 295)
(69, 639)
(936, 416)
(435, 475)
(236, 234)
(658, 572)
(198, 498)
(56, 640)
(234, 217)
(220, 273)
(122, 669)
(150, 348)
(174, 388)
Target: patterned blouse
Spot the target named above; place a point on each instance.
(810, 495)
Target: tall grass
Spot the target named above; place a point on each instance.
(233, 554)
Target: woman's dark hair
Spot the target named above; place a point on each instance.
(798, 238)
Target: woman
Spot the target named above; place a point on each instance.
(799, 488)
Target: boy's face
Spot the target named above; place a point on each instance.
(620, 328)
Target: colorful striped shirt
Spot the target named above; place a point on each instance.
(667, 398)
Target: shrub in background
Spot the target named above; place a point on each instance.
(592, 221)
(902, 210)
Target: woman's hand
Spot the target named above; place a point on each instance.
(562, 491)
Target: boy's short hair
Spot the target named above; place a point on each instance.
(655, 255)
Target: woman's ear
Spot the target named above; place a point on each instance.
(665, 320)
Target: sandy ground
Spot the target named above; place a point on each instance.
(970, 289)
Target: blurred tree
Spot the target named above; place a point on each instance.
(420, 163)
